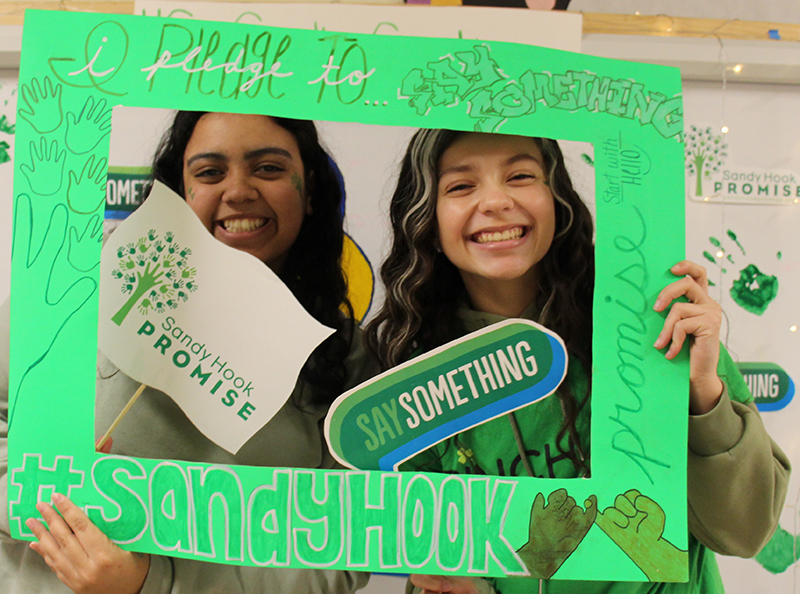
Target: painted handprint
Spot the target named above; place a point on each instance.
(83, 254)
(46, 170)
(636, 524)
(754, 290)
(6, 127)
(53, 293)
(43, 105)
(89, 127)
(783, 549)
(87, 192)
(556, 530)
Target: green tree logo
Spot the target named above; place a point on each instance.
(155, 273)
(705, 154)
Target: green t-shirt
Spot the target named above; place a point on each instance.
(492, 449)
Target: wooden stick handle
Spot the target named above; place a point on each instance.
(119, 418)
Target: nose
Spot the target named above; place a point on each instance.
(239, 187)
(495, 198)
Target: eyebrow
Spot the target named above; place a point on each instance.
(267, 150)
(510, 161)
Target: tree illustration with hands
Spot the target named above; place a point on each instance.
(705, 153)
(154, 273)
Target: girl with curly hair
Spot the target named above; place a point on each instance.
(488, 227)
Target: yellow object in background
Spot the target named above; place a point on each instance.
(360, 278)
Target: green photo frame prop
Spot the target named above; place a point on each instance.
(632, 113)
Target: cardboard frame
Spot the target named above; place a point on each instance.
(631, 112)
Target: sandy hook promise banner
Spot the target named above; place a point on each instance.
(294, 517)
(163, 277)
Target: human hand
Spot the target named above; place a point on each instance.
(87, 192)
(43, 105)
(46, 170)
(636, 524)
(434, 584)
(89, 127)
(555, 531)
(82, 557)
(701, 319)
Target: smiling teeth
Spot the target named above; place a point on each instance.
(243, 225)
(507, 235)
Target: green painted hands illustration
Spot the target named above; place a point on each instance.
(754, 290)
(42, 105)
(86, 192)
(46, 170)
(636, 524)
(556, 530)
(89, 127)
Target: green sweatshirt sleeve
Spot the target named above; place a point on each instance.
(737, 475)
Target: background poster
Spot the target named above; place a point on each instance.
(763, 139)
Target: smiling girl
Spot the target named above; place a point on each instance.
(264, 186)
(488, 227)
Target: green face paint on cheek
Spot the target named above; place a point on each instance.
(190, 193)
(297, 182)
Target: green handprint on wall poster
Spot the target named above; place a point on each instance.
(753, 290)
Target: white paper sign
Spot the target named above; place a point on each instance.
(212, 327)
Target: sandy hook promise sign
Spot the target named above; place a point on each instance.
(163, 276)
(478, 525)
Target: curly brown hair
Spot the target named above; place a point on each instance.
(424, 289)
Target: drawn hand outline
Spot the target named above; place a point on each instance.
(82, 255)
(636, 524)
(46, 171)
(43, 103)
(53, 307)
(89, 127)
(555, 531)
(86, 192)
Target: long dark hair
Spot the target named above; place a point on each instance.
(312, 270)
(424, 289)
